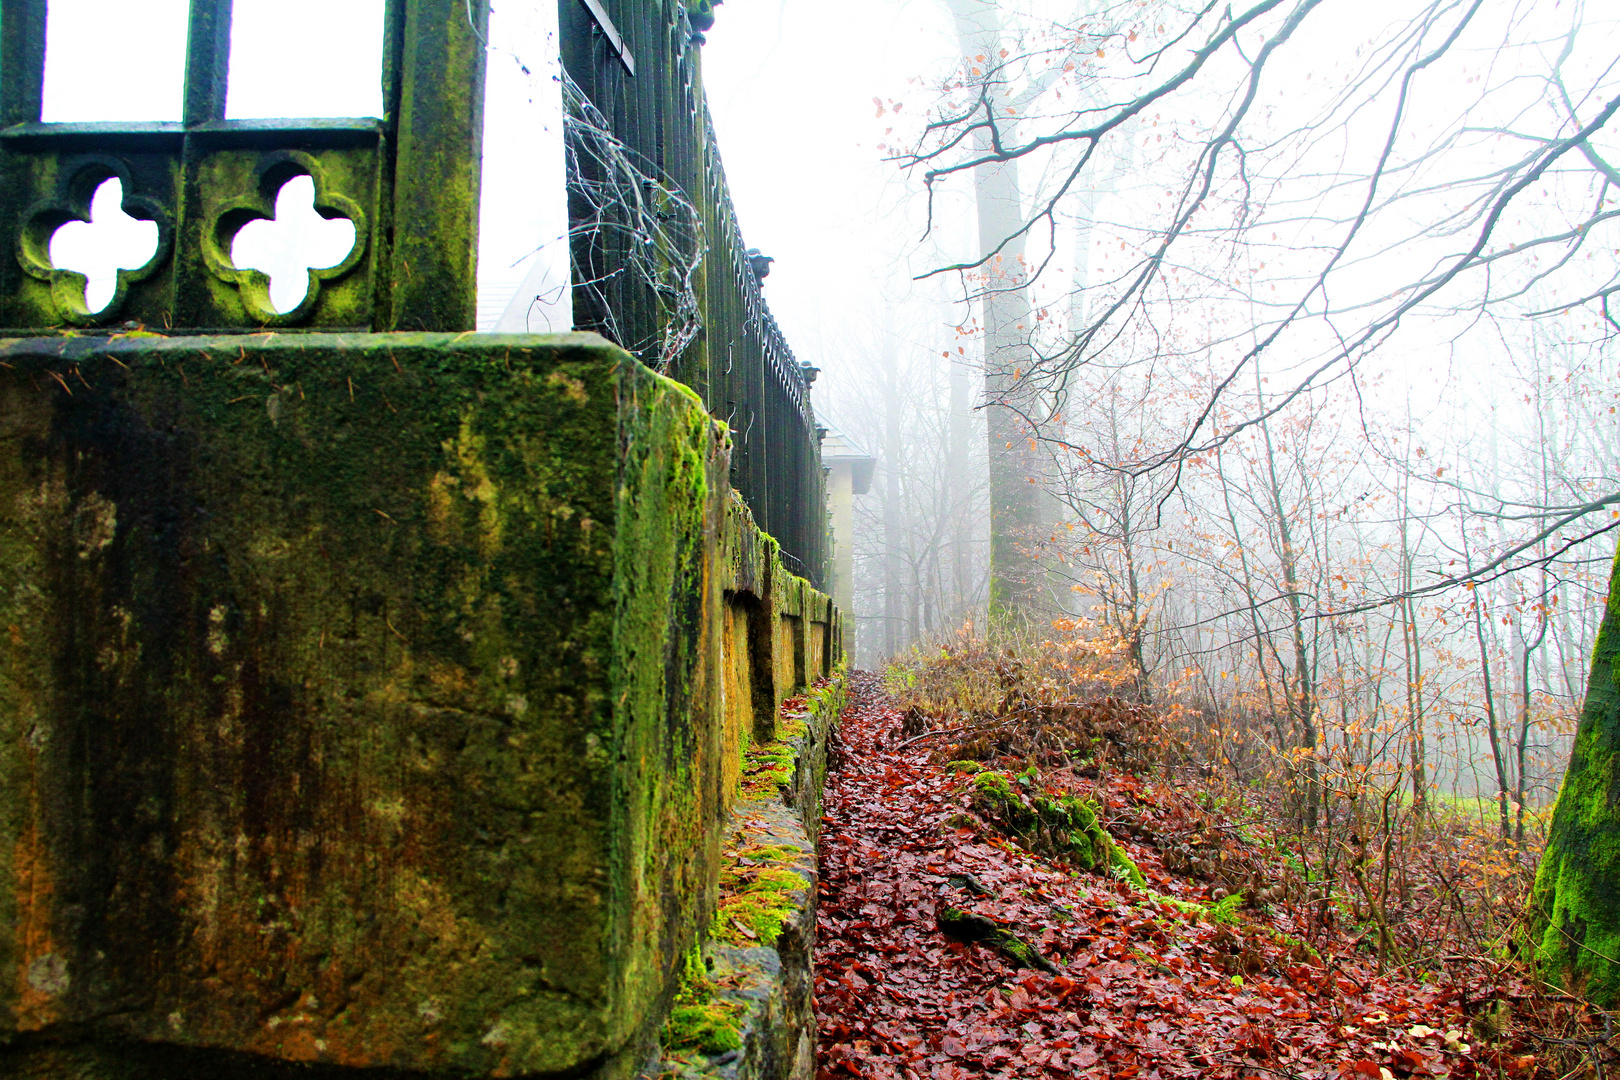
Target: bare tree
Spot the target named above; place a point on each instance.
(1335, 217)
(920, 541)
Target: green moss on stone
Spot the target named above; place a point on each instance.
(709, 1029)
(1020, 952)
(699, 1020)
(792, 728)
(967, 926)
(763, 902)
(388, 661)
(768, 768)
(764, 853)
(827, 701)
(1065, 826)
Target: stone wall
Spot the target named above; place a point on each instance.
(367, 701)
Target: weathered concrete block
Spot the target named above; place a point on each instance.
(363, 698)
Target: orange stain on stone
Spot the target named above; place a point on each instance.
(36, 1008)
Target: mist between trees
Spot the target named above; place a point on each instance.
(1277, 367)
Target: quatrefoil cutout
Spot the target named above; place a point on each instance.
(109, 242)
(288, 246)
(282, 243)
(93, 241)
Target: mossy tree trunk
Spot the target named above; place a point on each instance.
(1575, 906)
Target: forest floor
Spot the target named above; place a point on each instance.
(1158, 980)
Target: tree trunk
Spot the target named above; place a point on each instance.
(1575, 906)
(1300, 684)
(1491, 729)
(894, 522)
(1015, 491)
(961, 470)
(1522, 791)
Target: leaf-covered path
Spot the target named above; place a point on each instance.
(1150, 983)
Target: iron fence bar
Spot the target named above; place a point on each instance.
(740, 364)
(208, 60)
(22, 61)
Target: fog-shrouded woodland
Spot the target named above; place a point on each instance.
(1254, 364)
(1271, 348)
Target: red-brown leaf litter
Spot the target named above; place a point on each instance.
(1146, 987)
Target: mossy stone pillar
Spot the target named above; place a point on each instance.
(359, 702)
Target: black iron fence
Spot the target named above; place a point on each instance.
(659, 263)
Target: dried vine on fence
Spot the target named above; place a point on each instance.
(661, 231)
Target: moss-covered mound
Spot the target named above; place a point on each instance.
(1063, 826)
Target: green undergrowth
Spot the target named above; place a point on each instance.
(1227, 912)
(1298, 948)
(1223, 911)
(700, 1021)
(1064, 826)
